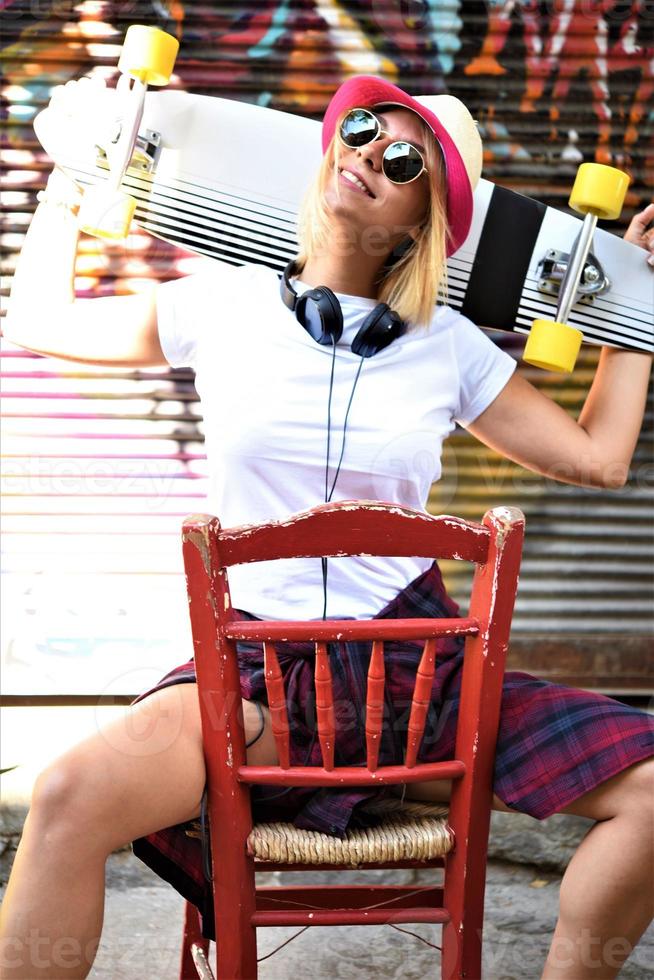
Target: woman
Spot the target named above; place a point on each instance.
(392, 199)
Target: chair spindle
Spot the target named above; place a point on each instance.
(420, 702)
(277, 703)
(375, 703)
(325, 705)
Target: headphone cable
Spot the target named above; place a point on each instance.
(338, 468)
(323, 561)
(328, 497)
(356, 380)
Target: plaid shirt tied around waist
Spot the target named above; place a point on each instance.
(328, 809)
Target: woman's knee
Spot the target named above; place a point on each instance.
(138, 774)
(629, 791)
(61, 805)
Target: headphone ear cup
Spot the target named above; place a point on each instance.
(319, 312)
(379, 329)
(286, 291)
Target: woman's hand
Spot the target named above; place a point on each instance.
(638, 233)
(597, 449)
(88, 110)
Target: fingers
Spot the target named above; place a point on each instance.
(124, 84)
(638, 232)
(86, 111)
(77, 94)
(61, 187)
(645, 217)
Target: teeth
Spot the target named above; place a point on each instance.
(355, 180)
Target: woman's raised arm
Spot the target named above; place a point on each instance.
(43, 314)
(531, 429)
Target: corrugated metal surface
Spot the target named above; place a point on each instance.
(100, 466)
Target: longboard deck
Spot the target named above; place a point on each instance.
(230, 176)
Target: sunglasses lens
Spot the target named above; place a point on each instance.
(359, 127)
(402, 162)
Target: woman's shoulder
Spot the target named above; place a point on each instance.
(208, 272)
(209, 285)
(444, 319)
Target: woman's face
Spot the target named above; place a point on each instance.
(390, 209)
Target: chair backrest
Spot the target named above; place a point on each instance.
(341, 529)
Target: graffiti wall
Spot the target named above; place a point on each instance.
(101, 465)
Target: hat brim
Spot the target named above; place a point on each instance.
(369, 90)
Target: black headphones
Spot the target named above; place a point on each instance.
(319, 312)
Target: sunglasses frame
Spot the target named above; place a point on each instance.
(381, 132)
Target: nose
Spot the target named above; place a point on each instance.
(372, 153)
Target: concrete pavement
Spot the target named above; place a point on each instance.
(143, 924)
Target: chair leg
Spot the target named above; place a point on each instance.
(461, 956)
(463, 897)
(236, 937)
(192, 934)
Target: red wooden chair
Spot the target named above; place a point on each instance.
(348, 528)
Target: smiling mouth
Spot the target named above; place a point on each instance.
(356, 181)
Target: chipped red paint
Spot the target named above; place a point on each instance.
(348, 528)
(349, 629)
(192, 934)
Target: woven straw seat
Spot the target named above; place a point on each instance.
(408, 830)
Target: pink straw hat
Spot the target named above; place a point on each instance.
(450, 122)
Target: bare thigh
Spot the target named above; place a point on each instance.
(440, 790)
(632, 788)
(140, 773)
(435, 791)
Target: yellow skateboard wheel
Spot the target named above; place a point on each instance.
(599, 190)
(106, 214)
(552, 346)
(148, 54)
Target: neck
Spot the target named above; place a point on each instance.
(354, 274)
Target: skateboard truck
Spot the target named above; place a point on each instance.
(147, 149)
(147, 58)
(553, 267)
(598, 192)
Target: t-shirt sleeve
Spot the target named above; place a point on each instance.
(483, 370)
(186, 307)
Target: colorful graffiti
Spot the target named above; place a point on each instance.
(534, 71)
(576, 40)
(551, 82)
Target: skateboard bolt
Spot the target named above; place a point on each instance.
(591, 274)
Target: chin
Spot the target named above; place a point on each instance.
(346, 206)
(333, 200)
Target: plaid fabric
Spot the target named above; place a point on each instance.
(555, 743)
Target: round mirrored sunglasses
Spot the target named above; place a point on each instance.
(402, 162)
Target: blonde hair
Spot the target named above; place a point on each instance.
(414, 283)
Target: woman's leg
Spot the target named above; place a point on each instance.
(137, 775)
(440, 791)
(606, 898)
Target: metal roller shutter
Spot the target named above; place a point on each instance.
(101, 465)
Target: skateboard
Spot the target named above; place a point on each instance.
(225, 179)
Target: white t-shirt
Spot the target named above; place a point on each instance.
(264, 385)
